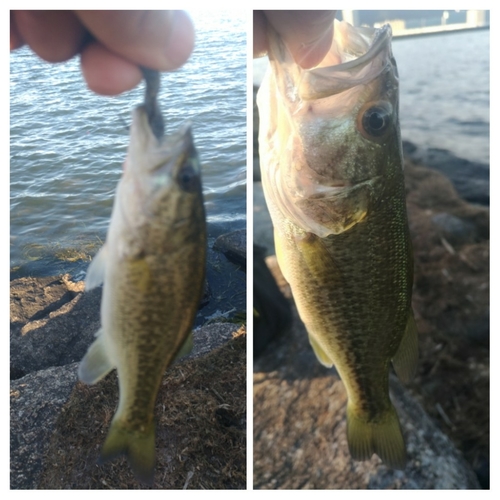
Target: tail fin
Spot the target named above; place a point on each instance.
(383, 437)
(138, 447)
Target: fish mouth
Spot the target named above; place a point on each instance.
(365, 54)
(176, 147)
(155, 155)
(379, 40)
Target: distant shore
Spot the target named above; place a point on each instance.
(435, 30)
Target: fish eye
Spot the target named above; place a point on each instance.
(374, 120)
(188, 178)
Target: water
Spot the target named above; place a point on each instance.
(445, 92)
(67, 145)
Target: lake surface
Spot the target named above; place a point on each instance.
(67, 145)
(445, 92)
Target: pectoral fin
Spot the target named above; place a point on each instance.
(279, 244)
(406, 358)
(323, 358)
(316, 257)
(95, 273)
(96, 364)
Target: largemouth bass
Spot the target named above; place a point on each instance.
(153, 268)
(332, 173)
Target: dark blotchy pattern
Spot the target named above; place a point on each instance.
(157, 303)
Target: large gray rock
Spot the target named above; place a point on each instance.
(471, 179)
(234, 246)
(57, 423)
(271, 310)
(35, 405)
(52, 323)
(454, 229)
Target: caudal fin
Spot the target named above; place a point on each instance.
(138, 447)
(383, 437)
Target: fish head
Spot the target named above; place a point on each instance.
(329, 136)
(161, 184)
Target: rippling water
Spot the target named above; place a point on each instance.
(67, 145)
(445, 91)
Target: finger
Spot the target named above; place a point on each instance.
(107, 73)
(16, 40)
(161, 40)
(55, 35)
(259, 34)
(307, 34)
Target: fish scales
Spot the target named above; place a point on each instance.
(153, 268)
(364, 284)
(154, 318)
(331, 162)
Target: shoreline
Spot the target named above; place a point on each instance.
(54, 442)
(399, 35)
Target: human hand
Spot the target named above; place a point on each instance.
(307, 33)
(120, 42)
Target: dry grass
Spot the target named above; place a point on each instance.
(200, 434)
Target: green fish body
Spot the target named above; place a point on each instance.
(153, 268)
(331, 161)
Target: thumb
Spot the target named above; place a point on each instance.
(161, 40)
(307, 33)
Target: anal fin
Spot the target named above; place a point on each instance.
(95, 272)
(323, 358)
(96, 364)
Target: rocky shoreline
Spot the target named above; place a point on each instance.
(52, 324)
